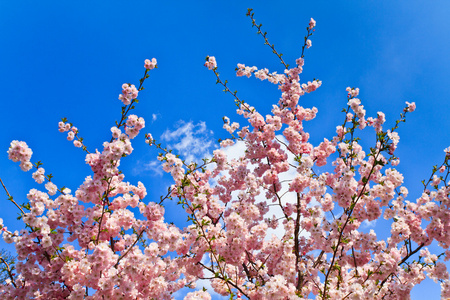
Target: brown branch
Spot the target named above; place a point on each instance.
(266, 41)
(401, 262)
(11, 198)
(296, 245)
(129, 249)
(8, 269)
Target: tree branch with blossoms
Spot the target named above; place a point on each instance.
(283, 220)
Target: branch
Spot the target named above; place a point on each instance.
(129, 249)
(266, 41)
(8, 269)
(10, 198)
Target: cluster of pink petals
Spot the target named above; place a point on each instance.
(129, 93)
(230, 127)
(262, 74)
(311, 86)
(352, 92)
(211, 62)
(71, 132)
(150, 64)
(39, 176)
(312, 23)
(411, 106)
(20, 152)
(245, 71)
(133, 125)
(149, 139)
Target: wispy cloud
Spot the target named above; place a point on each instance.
(191, 141)
(368, 224)
(153, 168)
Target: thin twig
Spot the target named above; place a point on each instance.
(11, 198)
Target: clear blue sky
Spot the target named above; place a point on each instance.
(61, 59)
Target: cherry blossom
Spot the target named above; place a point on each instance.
(283, 220)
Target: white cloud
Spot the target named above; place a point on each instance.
(369, 224)
(153, 166)
(191, 141)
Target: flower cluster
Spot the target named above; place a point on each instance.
(312, 23)
(20, 152)
(263, 74)
(149, 139)
(410, 107)
(133, 125)
(150, 64)
(72, 132)
(211, 62)
(129, 93)
(39, 176)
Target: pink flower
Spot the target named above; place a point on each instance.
(311, 86)
(46, 242)
(129, 92)
(115, 132)
(133, 125)
(61, 126)
(70, 136)
(243, 70)
(210, 62)
(352, 92)
(300, 61)
(51, 188)
(149, 139)
(198, 295)
(20, 152)
(312, 23)
(38, 176)
(150, 64)
(411, 106)
(447, 151)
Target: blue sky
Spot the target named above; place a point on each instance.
(61, 59)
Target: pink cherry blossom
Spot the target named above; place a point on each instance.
(210, 62)
(285, 219)
(150, 64)
(312, 23)
(129, 92)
